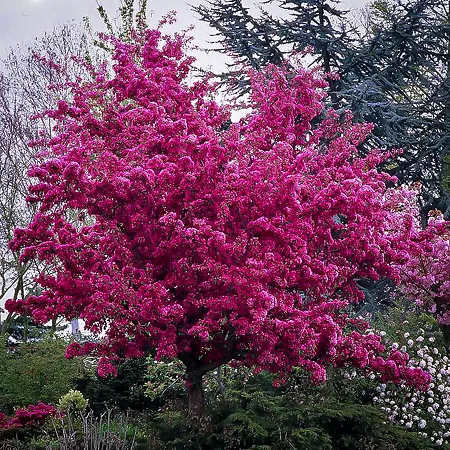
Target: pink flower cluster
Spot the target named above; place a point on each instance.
(172, 232)
(32, 416)
(426, 275)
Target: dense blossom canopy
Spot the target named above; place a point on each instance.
(171, 232)
(427, 274)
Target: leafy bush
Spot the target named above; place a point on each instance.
(165, 379)
(253, 414)
(73, 401)
(36, 372)
(126, 391)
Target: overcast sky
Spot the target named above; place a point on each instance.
(21, 21)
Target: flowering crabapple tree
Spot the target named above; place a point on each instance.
(426, 275)
(207, 243)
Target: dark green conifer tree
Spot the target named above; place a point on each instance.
(395, 74)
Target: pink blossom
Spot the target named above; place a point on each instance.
(212, 243)
(105, 368)
(31, 416)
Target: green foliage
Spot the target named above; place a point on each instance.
(407, 317)
(104, 16)
(126, 391)
(164, 379)
(253, 414)
(73, 402)
(130, 19)
(36, 372)
(380, 12)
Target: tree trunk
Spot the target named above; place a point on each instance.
(196, 398)
(442, 309)
(25, 329)
(445, 329)
(5, 325)
(195, 371)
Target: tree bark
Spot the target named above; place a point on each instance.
(196, 398)
(195, 371)
(4, 326)
(445, 329)
(441, 308)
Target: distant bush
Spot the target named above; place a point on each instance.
(35, 372)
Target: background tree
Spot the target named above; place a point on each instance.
(394, 75)
(24, 81)
(258, 41)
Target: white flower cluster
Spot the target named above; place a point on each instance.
(425, 412)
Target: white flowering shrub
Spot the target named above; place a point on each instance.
(426, 412)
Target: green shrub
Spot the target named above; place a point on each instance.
(72, 402)
(36, 372)
(126, 391)
(252, 414)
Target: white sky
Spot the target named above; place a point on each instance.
(21, 21)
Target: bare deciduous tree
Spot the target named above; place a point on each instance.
(26, 81)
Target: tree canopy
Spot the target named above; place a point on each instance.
(171, 234)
